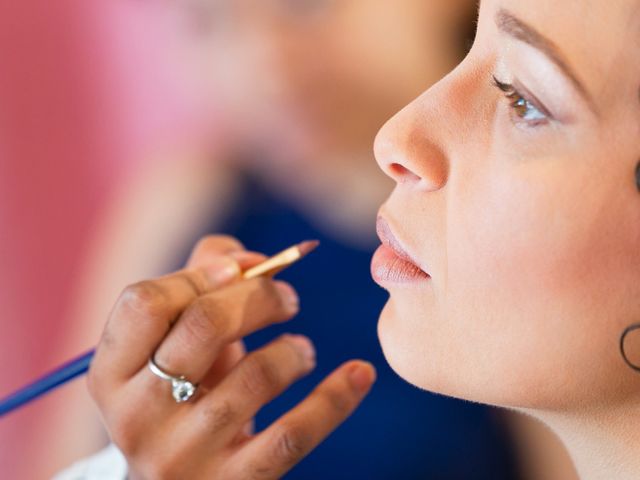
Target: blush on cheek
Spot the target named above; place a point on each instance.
(528, 235)
(540, 278)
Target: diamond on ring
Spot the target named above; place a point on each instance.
(181, 388)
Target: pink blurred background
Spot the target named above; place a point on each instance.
(84, 96)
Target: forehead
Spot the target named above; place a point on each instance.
(600, 38)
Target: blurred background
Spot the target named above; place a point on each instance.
(130, 128)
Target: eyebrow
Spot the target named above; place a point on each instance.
(516, 28)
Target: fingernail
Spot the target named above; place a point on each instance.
(222, 270)
(362, 375)
(288, 295)
(304, 346)
(244, 255)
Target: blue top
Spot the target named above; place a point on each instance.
(399, 431)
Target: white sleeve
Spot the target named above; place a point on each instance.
(107, 464)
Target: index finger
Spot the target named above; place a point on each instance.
(145, 312)
(211, 246)
(275, 450)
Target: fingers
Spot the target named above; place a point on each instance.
(255, 380)
(146, 310)
(221, 317)
(233, 352)
(227, 359)
(274, 451)
(213, 246)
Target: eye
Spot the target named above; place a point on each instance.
(525, 109)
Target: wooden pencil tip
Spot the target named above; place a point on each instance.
(307, 247)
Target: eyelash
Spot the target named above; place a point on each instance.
(527, 110)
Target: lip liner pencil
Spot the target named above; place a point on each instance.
(80, 365)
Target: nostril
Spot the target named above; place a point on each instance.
(402, 174)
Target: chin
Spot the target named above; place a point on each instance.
(426, 358)
(410, 358)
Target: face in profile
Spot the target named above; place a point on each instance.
(515, 193)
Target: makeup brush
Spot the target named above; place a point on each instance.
(279, 261)
(80, 364)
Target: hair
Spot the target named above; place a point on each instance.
(467, 28)
(638, 176)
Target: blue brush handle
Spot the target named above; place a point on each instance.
(46, 383)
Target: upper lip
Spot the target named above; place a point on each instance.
(388, 238)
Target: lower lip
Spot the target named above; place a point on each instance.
(388, 267)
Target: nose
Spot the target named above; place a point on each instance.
(413, 147)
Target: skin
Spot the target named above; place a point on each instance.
(192, 322)
(336, 71)
(529, 230)
(308, 85)
(329, 150)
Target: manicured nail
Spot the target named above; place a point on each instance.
(304, 346)
(222, 270)
(288, 294)
(362, 375)
(245, 255)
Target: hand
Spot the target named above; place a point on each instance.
(193, 321)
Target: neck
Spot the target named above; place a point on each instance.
(604, 444)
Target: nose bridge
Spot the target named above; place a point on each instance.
(415, 145)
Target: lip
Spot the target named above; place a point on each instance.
(391, 263)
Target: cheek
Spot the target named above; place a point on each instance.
(535, 270)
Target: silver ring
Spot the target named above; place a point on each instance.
(181, 388)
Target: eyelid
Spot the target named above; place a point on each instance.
(514, 95)
(516, 88)
(531, 98)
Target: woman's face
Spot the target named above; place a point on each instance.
(520, 202)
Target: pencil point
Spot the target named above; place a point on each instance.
(307, 247)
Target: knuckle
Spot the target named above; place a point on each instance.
(295, 355)
(268, 293)
(94, 385)
(257, 471)
(147, 298)
(108, 339)
(337, 401)
(195, 280)
(206, 321)
(217, 416)
(252, 469)
(291, 442)
(123, 435)
(260, 375)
